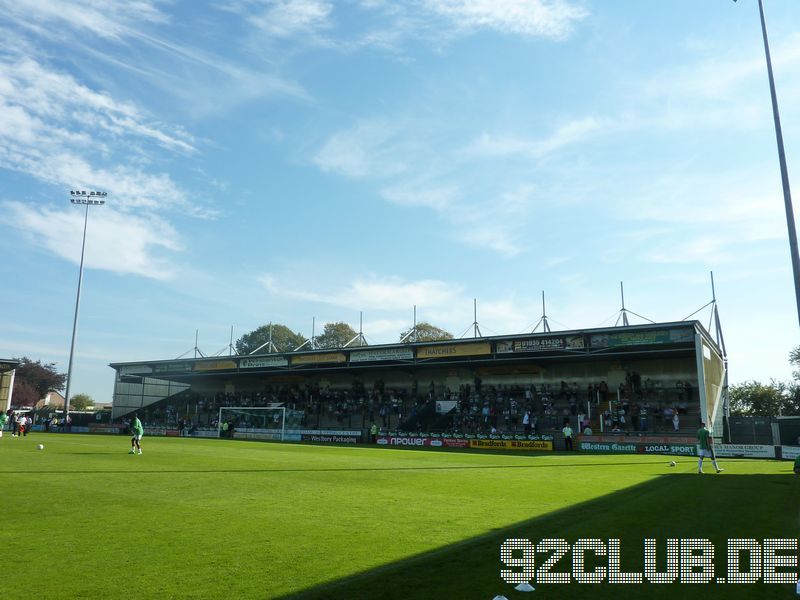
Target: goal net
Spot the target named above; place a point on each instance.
(258, 422)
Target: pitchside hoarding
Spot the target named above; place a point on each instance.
(541, 445)
(744, 450)
(322, 436)
(635, 448)
(790, 452)
(419, 442)
(537, 445)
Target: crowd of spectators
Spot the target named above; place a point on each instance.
(635, 405)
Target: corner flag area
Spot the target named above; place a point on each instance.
(194, 518)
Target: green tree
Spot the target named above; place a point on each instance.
(752, 398)
(33, 380)
(336, 335)
(282, 337)
(428, 333)
(794, 359)
(81, 402)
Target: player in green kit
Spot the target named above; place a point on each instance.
(138, 432)
(3, 419)
(704, 442)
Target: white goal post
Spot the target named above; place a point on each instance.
(263, 422)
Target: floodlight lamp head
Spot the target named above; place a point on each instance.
(84, 197)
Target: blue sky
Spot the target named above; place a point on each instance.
(278, 160)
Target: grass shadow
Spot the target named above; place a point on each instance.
(714, 507)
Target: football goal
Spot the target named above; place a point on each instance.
(259, 422)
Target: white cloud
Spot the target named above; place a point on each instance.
(443, 303)
(285, 18)
(495, 223)
(371, 149)
(50, 98)
(439, 199)
(54, 127)
(115, 241)
(481, 207)
(374, 294)
(56, 130)
(103, 18)
(540, 18)
(500, 146)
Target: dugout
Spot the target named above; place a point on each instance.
(448, 382)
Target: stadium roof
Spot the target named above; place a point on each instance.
(8, 364)
(652, 339)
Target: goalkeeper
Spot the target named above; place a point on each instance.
(138, 431)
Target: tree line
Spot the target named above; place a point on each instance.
(776, 398)
(334, 335)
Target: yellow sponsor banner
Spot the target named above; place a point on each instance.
(214, 365)
(538, 445)
(454, 350)
(327, 357)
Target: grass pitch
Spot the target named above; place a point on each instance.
(226, 519)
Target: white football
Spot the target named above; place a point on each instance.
(672, 463)
(40, 447)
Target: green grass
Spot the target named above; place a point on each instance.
(225, 519)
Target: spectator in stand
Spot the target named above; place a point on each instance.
(526, 422)
(567, 431)
(603, 392)
(676, 421)
(643, 416)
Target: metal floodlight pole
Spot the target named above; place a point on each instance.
(87, 199)
(787, 194)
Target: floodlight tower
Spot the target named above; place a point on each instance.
(87, 199)
(787, 194)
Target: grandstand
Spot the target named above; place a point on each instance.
(625, 379)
